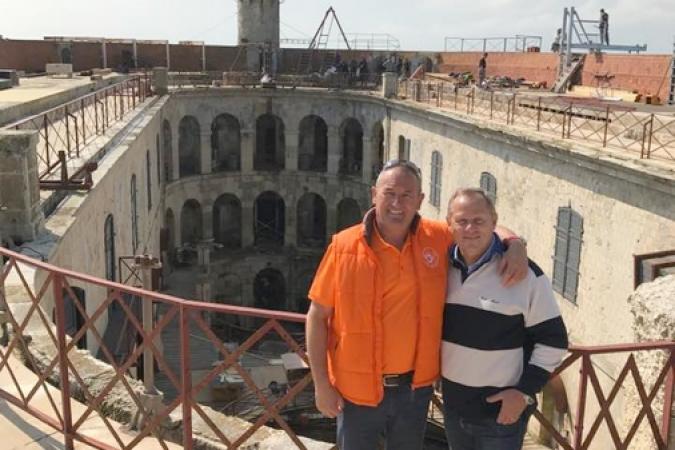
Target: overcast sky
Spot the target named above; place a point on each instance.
(419, 25)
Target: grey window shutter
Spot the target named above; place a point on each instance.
(561, 249)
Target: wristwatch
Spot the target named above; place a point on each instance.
(528, 400)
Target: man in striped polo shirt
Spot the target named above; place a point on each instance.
(500, 344)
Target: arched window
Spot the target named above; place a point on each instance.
(569, 231)
(270, 214)
(109, 248)
(351, 134)
(148, 178)
(313, 144)
(311, 221)
(189, 147)
(159, 160)
(488, 183)
(191, 222)
(226, 143)
(227, 221)
(378, 149)
(270, 143)
(134, 213)
(436, 182)
(348, 213)
(168, 158)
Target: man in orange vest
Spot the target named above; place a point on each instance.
(374, 326)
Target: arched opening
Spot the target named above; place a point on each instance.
(158, 156)
(66, 55)
(226, 143)
(167, 238)
(403, 148)
(351, 135)
(109, 248)
(189, 147)
(134, 212)
(191, 223)
(73, 318)
(269, 290)
(269, 143)
(270, 217)
(167, 144)
(313, 144)
(227, 289)
(378, 149)
(348, 213)
(311, 221)
(227, 221)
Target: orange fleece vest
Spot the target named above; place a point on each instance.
(355, 344)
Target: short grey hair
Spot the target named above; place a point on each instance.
(473, 192)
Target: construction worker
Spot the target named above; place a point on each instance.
(482, 68)
(604, 27)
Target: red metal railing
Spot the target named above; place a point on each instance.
(193, 322)
(616, 126)
(64, 131)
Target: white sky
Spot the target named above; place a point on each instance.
(420, 25)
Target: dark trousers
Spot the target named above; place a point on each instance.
(484, 434)
(399, 421)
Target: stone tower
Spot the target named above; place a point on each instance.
(259, 32)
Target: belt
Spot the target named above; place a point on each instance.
(398, 379)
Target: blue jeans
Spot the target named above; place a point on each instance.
(484, 434)
(399, 420)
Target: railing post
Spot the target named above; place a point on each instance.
(95, 112)
(539, 115)
(581, 402)
(46, 129)
(60, 312)
(84, 128)
(67, 120)
(668, 400)
(186, 380)
(651, 130)
(604, 137)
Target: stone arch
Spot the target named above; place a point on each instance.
(348, 213)
(227, 221)
(313, 144)
(109, 248)
(351, 137)
(270, 143)
(167, 149)
(311, 221)
(378, 156)
(189, 147)
(269, 289)
(270, 219)
(226, 143)
(191, 222)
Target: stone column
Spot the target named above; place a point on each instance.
(247, 225)
(175, 154)
(160, 80)
(334, 150)
(205, 156)
(21, 217)
(247, 150)
(389, 84)
(207, 221)
(292, 140)
(367, 161)
(291, 216)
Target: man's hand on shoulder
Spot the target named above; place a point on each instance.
(513, 265)
(328, 400)
(513, 405)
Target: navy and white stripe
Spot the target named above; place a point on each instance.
(496, 337)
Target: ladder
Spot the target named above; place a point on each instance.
(568, 73)
(320, 42)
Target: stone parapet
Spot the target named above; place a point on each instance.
(20, 214)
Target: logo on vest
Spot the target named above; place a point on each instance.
(430, 257)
